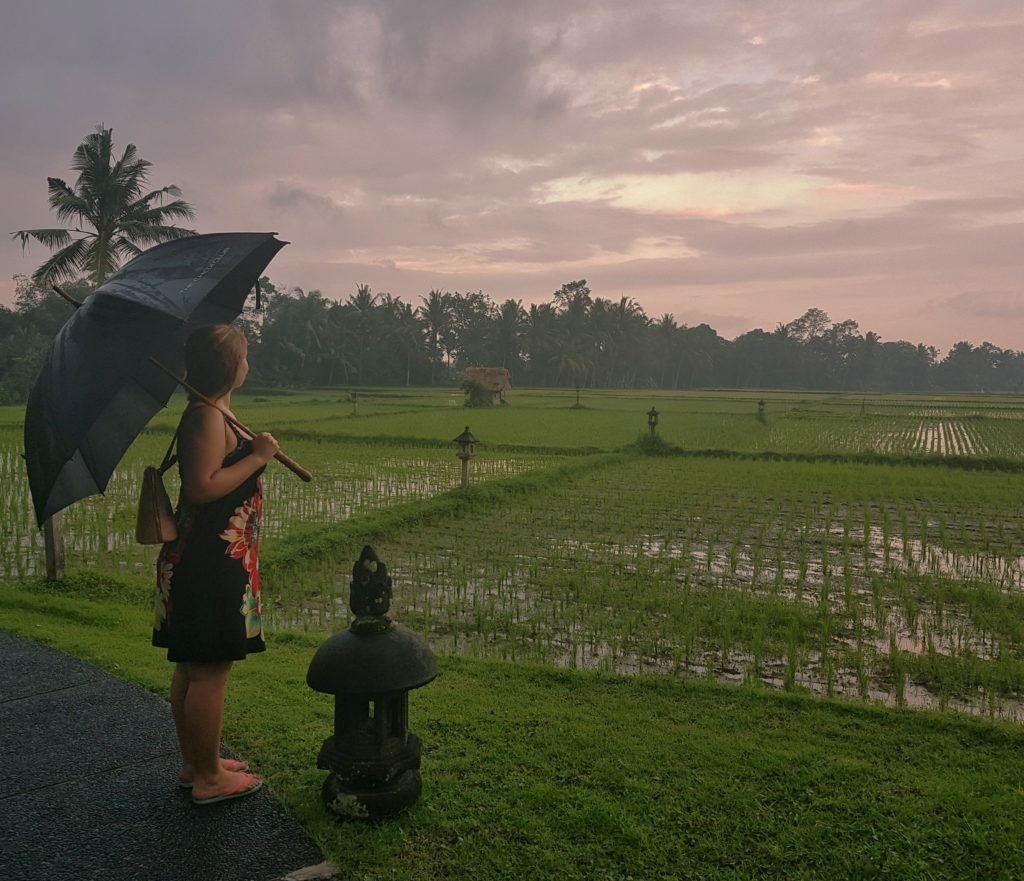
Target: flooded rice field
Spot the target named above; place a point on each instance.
(893, 583)
(739, 572)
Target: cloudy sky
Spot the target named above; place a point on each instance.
(734, 162)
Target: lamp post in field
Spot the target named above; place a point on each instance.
(466, 443)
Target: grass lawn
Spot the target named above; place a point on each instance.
(532, 772)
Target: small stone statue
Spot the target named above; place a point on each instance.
(370, 593)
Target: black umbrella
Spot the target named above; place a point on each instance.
(100, 384)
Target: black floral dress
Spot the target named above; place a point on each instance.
(208, 605)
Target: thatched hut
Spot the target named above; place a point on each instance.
(492, 381)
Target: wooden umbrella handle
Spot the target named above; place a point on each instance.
(287, 461)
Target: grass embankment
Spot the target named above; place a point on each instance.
(537, 773)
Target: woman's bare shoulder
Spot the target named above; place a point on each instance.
(202, 419)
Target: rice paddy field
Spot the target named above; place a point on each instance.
(857, 546)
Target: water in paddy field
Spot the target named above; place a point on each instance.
(592, 580)
(502, 611)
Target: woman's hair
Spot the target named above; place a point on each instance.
(213, 355)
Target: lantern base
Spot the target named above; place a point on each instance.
(372, 803)
(362, 763)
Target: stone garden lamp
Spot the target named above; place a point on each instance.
(466, 443)
(370, 668)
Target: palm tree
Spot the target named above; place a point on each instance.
(362, 309)
(667, 335)
(112, 216)
(509, 327)
(542, 341)
(293, 344)
(436, 315)
(405, 332)
(618, 329)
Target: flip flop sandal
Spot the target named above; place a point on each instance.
(228, 765)
(246, 787)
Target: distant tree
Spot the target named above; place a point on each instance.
(293, 345)
(573, 293)
(752, 358)
(618, 331)
(813, 323)
(362, 308)
(26, 333)
(436, 315)
(903, 366)
(666, 351)
(510, 326)
(542, 342)
(573, 304)
(470, 330)
(113, 217)
(404, 333)
(703, 351)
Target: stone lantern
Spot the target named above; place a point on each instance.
(466, 441)
(652, 419)
(370, 669)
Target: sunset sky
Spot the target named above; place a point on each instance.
(732, 162)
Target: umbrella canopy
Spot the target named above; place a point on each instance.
(98, 388)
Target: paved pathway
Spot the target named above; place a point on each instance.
(87, 787)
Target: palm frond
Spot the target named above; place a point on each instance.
(158, 215)
(154, 234)
(169, 190)
(68, 205)
(129, 174)
(125, 248)
(65, 265)
(52, 238)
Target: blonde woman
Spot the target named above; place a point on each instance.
(208, 609)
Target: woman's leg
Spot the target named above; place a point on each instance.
(203, 715)
(179, 689)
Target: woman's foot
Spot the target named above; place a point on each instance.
(186, 775)
(229, 785)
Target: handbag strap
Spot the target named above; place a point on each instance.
(169, 457)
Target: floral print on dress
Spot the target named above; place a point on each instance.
(252, 607)
(243, 538)
(162, 601)
(211, 572)
(243, 533)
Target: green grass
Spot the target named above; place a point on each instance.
(865, 546)
(532, 772)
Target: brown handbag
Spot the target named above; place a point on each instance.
(155, 523)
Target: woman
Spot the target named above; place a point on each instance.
(208, 610)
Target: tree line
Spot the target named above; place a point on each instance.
(303, 339)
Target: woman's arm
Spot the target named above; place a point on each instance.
(201, 450)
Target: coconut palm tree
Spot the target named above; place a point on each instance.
(113, 218)
(510, 325)
(404, 332)
(436, 315)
